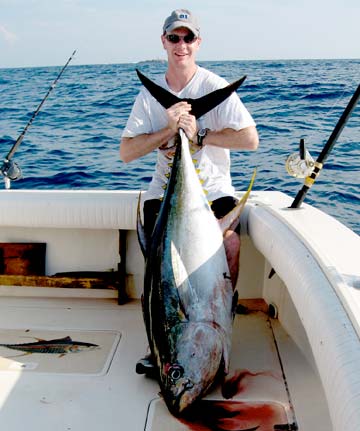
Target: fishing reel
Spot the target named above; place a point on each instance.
(11, 171)
(301, 164)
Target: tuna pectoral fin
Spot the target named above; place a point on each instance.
(178, 267)
(199, 106)
(187, 294)
(140, 229)
(231, 220)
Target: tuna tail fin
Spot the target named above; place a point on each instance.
(164, 97)
(140, 229)
(231, 220)
(208, 102)
(200, 106)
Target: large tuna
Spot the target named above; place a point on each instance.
(188, 295)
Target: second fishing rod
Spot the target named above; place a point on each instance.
(10, 170)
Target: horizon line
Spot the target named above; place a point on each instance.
(199, 61)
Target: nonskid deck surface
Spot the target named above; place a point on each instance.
(91, 384)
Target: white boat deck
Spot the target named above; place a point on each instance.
(99, 389)
(315, 290)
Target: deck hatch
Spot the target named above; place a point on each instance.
(221, 415)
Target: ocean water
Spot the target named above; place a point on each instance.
(74, 141)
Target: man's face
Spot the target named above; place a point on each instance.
(181, 46)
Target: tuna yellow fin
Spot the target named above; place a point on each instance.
(231, 220)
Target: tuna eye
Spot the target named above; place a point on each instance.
(176, 372)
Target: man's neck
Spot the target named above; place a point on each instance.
(177, 79)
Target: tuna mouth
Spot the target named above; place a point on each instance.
(183, 400)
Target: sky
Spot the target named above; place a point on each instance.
(46, 32)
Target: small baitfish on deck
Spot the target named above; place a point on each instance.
(60, 346)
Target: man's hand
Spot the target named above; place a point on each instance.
(188, 123)
(175, 112)
(179, 117)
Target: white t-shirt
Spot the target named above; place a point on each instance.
(212, 163)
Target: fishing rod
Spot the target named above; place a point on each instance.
(10, 170)
(319, 163)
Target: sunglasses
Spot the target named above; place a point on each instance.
(174, 38)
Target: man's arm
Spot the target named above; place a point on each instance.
(243, 139)
(140, 145)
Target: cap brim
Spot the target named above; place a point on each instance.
(178, 24)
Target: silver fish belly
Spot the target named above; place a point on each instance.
(187, 290)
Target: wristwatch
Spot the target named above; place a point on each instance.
(201, 136)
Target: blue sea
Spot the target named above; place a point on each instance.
(74, 141)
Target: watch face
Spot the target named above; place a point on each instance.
(202, 132)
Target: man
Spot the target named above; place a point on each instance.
(151, 127)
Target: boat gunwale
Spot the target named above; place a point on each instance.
(314, 291)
